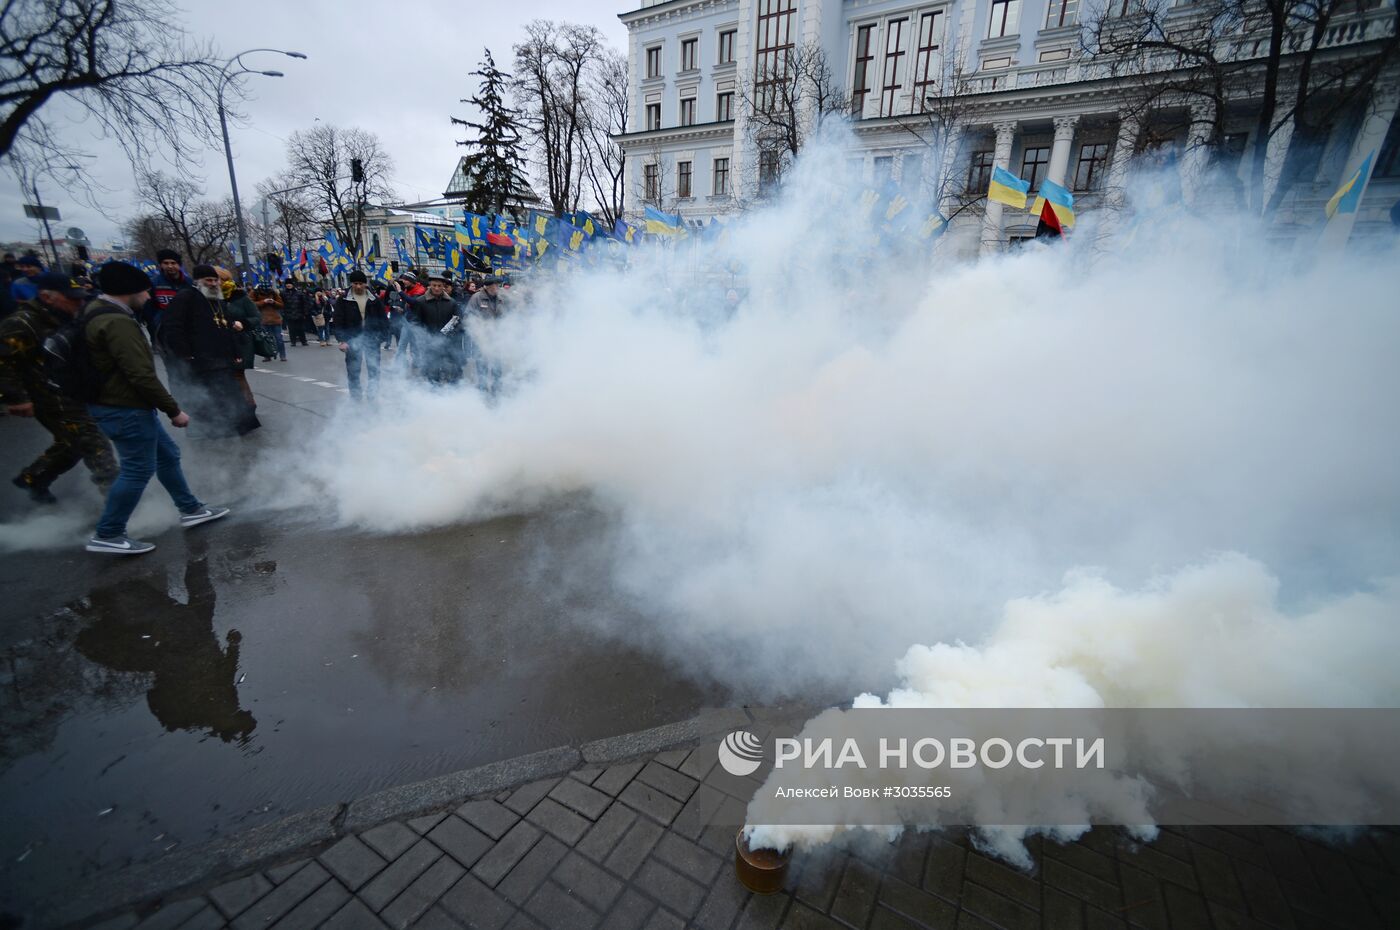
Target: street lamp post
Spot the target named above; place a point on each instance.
(224, 80)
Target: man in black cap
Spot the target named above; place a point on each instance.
(437, 341)
(484, 306)
(168, 282)
(204, 353)
(25, 391)
(126, 410)
(361, 324)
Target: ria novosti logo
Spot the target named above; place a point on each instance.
(741, 753)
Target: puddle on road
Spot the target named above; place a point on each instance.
(269, 672)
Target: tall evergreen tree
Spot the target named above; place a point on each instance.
(495, 167)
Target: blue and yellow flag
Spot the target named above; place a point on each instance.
(1348, 196)
(626, 232)
(932, 227)
(663, 224)
(454, 258)
(1007, 188)
(585, 221)
(423, 242)
(1059, 198)
(404, 258)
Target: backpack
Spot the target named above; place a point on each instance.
(68, 365)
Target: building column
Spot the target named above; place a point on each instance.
(1380, 112)
(1275, 152)
(1064, 145)
(991, 221)
(1116, 188)
(949, 171)
(1195, 161)
(743, 163)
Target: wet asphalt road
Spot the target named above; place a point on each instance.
(269, 664)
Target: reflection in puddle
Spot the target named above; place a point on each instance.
(139, 628)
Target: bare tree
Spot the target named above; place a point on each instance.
(324, 158)
(126, 64)
(550, 87)
(605, 115)
(784, 104)
(202, 229)
(1280, 55)
(291, 211)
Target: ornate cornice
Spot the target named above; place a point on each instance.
(701, 133)
(673, 10)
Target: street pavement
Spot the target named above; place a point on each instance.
(271, 663)
(649, 843)
(270, 721)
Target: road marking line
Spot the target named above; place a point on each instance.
(325, 384)
(299, 378)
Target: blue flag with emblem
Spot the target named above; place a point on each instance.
(404, 258)
(626, 232)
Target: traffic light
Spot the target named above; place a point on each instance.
(274, 261)
(82, 253)
(394, 267)
(357, 171)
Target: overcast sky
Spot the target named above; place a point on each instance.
(397, 68)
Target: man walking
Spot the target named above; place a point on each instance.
(204, 346)
(438, 340)
(126, 411)
(485, 305)
(167, 283)
(360, 326)
(25, 391)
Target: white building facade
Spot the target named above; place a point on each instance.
(1027, 100)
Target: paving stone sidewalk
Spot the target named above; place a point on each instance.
(649, 843)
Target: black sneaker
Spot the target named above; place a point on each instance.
(36, 494)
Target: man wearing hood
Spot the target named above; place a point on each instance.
(25, 391)
(361, 324)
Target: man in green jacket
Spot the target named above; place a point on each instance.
(126, 411)
(25, 391)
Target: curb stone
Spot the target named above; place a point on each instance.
(266, 845)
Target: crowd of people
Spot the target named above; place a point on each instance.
(208, 332)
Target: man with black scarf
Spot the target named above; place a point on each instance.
(360, 325)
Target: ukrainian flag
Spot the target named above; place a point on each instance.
(1007, 188)
(663, 224)
(1348, 196)
(1060, 201)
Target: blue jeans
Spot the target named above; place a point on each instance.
(276, 333)
(364, 346)
(144, 449)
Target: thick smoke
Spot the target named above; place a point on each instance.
(882, 448)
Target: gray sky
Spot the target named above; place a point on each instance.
(396, 68)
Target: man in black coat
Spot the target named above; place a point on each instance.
(203, 354)
(437, 341)
(361, 325)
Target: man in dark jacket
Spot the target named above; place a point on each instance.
(25, 391)
(437, 341)
(168, 282)
(295, 312)
(126, 408)
(360, 326)
(204, 353)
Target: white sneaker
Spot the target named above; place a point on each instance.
(188, 520)
(118, 545)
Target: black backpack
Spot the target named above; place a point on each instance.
(68, 366)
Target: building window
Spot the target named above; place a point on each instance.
(865, 54)
(1033, 165)
(688, 111)
(688, 54)
(683, 179)
(654, 61)
(979, 178)
(928, 63)
(893, 74)
(769, 170)
(1005, 18)
(653, 116)
(775, 45)
(1093, 160)
(724, 106)
(911, 171)
(1061, 13)
(721, 185)
(726, 47)
(651, 183)
(1388, 165)
(884, 169)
